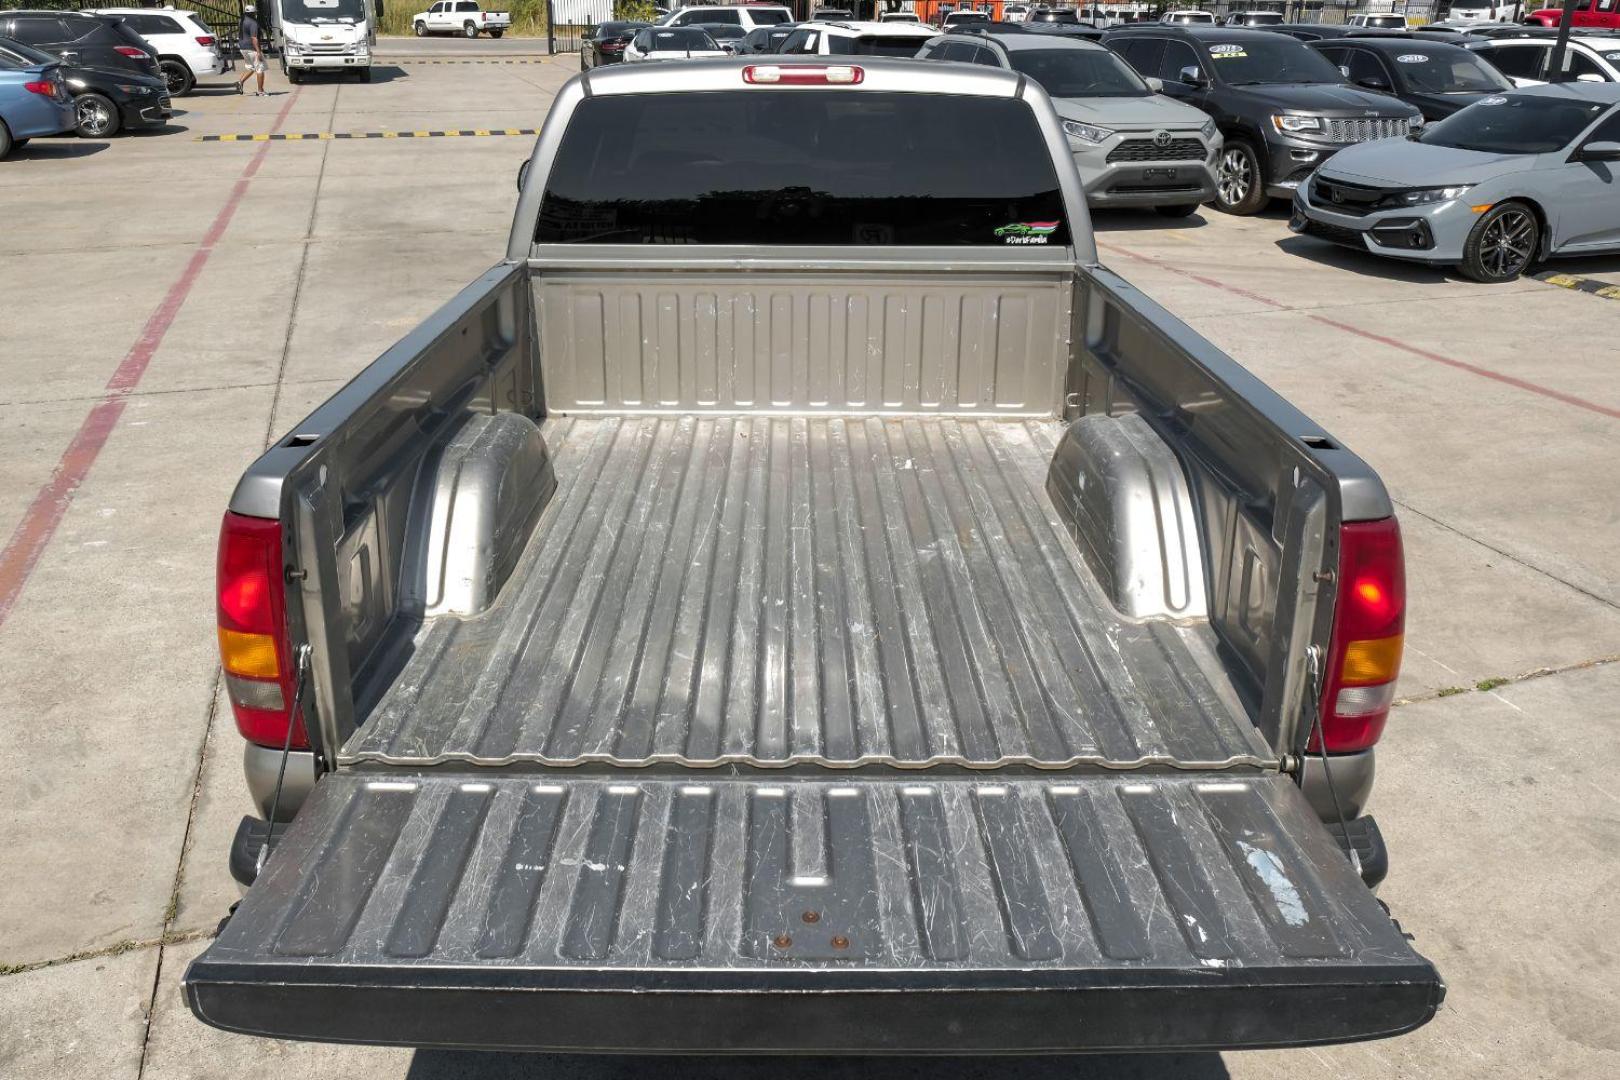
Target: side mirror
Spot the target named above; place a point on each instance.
(523, 173)
(1373, 82)
(1194, 76)
(1599, 151)
(1155, 84)
(1590, 76)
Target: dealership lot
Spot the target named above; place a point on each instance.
(175, 303)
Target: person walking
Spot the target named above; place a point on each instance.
(252, 51)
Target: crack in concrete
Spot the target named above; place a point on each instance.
(1501, 681)
(1516, 559)
(117, 948)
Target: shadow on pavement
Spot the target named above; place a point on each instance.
(60, 148)
(1364, 263)
(1107, 221)
(476, 1065)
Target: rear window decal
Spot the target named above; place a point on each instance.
(1027, 232)
(1412, 58)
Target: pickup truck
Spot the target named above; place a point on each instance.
(780, 608)
(462, 17)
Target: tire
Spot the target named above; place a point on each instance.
(469, 30)
(420, 28)
(1180, 211)
(95, 116)
(496, 34)
(364, 74)
(7, 143)
(1240, 184)
(294, 76)
(177, 73)
(1502, 244)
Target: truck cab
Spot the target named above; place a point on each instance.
(325, 36)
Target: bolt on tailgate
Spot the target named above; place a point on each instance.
(801, 914)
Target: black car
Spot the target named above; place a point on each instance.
(831, 15)
(1320, 31)
(763, 40)
(1053, 15)
(1437, 77)
(604, 43)
(1282, 107)
(726, 35)
(104, 102)
(1083, 31)
(77, 38)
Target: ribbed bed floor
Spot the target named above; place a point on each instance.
(772, 591)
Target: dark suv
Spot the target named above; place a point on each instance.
(77, 38)
(1282, 107)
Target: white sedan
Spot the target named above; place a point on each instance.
(672, 43)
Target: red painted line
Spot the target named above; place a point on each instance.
(44, 514)
(1393, 343)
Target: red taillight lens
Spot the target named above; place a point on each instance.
(130, 51)
(613, 46)
(253, 646)
(1369, 627)
(47, 88)
(204, 39)
(783, 75)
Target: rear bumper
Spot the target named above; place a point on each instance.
(809, 1011)
(36, 115)
(707, 914)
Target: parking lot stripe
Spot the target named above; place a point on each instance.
(301, 136)
(1411, 350)
(1591, 286)
(44, 514)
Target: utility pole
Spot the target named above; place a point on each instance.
(1556, 70)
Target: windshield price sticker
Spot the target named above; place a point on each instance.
(1226, 52)
(1412, 58)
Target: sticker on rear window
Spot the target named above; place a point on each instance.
(1412, 58)
(1224, 52)
(1027, 232)
(1612, 56)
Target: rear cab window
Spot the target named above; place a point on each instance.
(834, 167)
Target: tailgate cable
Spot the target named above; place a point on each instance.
(1313, 664)
(302, 676)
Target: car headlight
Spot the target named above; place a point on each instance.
(1209, 129)
(1086, 133)
(1425, 196)
(296, 47)
(1297, 125)
(1414, 121)
(137, 91)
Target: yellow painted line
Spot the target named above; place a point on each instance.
(1576, 283)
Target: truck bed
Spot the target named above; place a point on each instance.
(793, 591)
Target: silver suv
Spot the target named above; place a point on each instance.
(1132, 145)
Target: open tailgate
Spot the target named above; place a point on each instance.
(793, 913)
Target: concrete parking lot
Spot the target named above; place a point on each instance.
(172, 303)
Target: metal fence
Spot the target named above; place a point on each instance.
(567, 20)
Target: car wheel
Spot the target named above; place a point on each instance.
(469, 30)
(178, 76)
(420, 28)
(364, 74)
(7, 143)
(95, 116)
(1239, 186)
(496, 34)
(294, 76)
(1180, 210)
(1502, 244)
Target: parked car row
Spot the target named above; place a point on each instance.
(1400, 144)
(82, 72)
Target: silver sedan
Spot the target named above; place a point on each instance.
(1510, 180)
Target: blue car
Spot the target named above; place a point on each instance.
(34, 99)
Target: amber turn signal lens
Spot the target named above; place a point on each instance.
(252, 655)
(1374, 661)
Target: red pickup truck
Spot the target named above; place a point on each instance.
(1599, 14)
